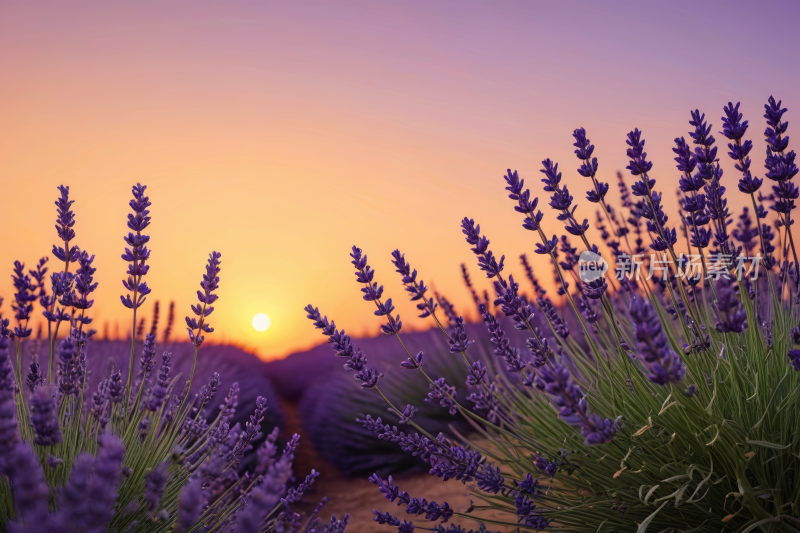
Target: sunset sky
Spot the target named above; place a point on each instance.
(280, 134)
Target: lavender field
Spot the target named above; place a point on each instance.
(402, 267)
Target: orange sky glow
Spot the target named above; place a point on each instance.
(280, 134)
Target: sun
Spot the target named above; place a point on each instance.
(261, 322)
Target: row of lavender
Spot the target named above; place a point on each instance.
(676, 409)
(140, 451)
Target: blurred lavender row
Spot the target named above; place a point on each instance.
(329, 400)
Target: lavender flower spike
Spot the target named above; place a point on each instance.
(416, 289)
(294, 495)
(44, 416)
(29, 488)
(65, 220)
(343, 347)
(190, 503)
(561, 200)
(87, 500)
(588, 169)
(154, 483)
(209, 284)
(665, 365)
(372, 292)
(138, 253)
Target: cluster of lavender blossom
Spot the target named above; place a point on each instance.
(625, 326)
(140, 453)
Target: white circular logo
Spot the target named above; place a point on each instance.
(591, 266)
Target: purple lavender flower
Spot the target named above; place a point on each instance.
(34, 377)
(794, 358)
(533, 218)
(100, 399)
(138, 253)
(30, 492)
(53, 461)
(734, 129)
(512, 303)
(70, 369)
(596, 288)
(408, 414)
(548, 467)
(385, 518)
(61, 287)
(372, 292)
(444, 394)
(638, 157)
(252, 428)
(588, 169)
(501, 341)
(458, 337)
(147, 362)
(162, 385)
(548, 247)
(9, 435)
(561, 200)
(553, 317)
(651, 209)
(294, 495)
(209, 284)
(781, 168)
(414, 506)
(154, 483)
(87, 500)
(477, 372)
(732, 316)
(539, 349)
(38, 275)
(116, 390)
(417, 289)
(489, 479)
(368, 377)
(343, 347)
(573, 408)
(259, 505)
(24, 297)
(413, 363)
(487, 402)
(65, 220)
(480, 247)
(664, 365)
(745, 232)
(84, 286)
(190, 503)
(208, 391)
(44, 416)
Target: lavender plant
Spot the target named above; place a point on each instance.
(139, 452)
(673, 405)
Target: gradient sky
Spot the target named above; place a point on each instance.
(280, 134)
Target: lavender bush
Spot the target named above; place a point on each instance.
(139, 451)
(331, 403)
(672, 406)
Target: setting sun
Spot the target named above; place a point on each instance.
(261, 322)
